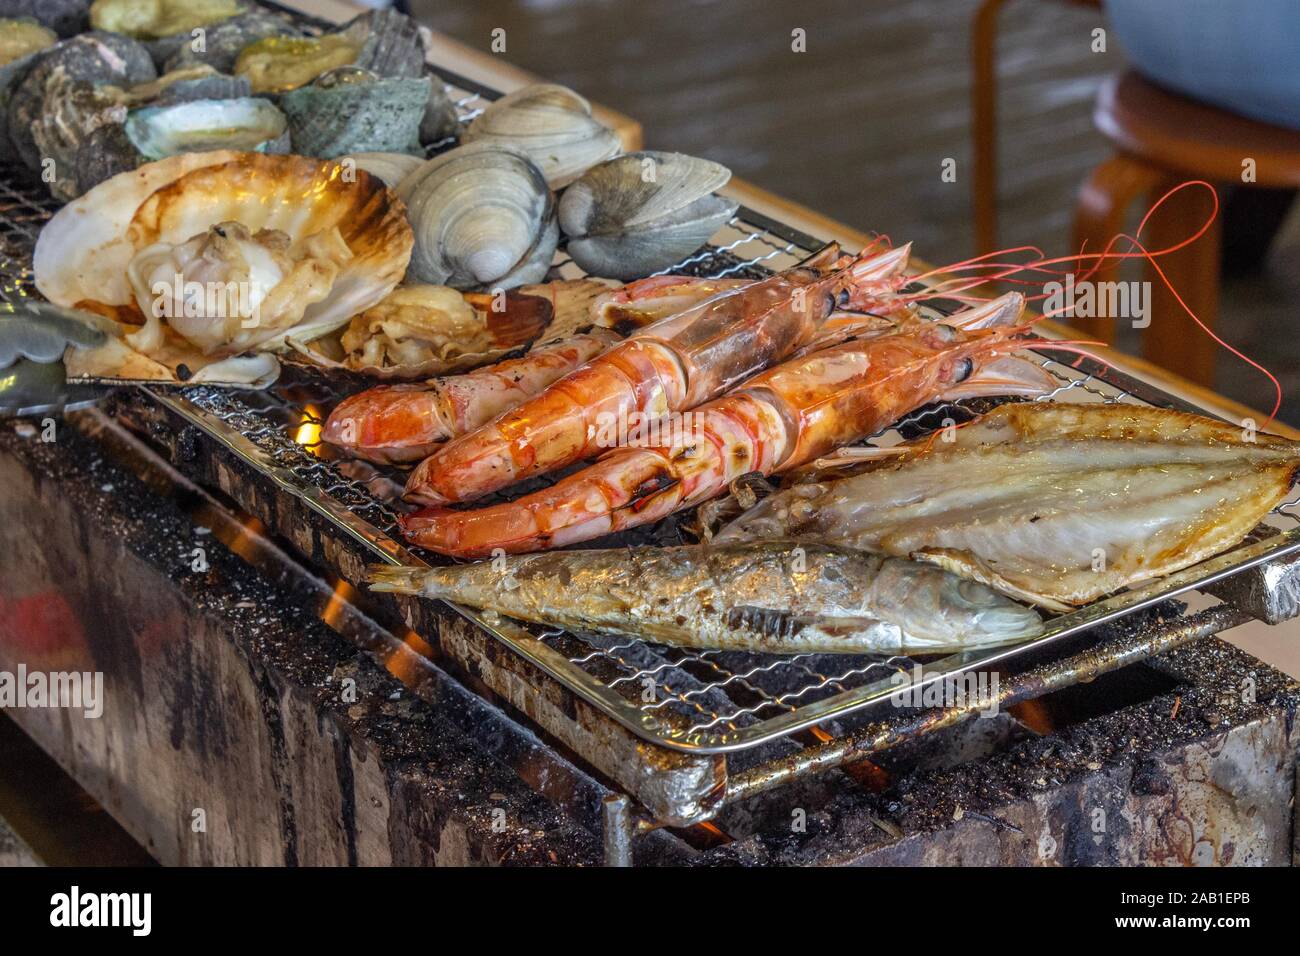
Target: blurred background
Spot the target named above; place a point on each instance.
(860, 124)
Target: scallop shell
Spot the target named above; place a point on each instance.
(350, 109)
(416, 325)
(94, 58)
(643, 212)
(482, 216)
(553, 125)
(390, 168)
(248, 123)
(82, 254)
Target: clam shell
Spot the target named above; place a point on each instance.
(643, 212)
(390, 168)
(82, 253)
(553, 125)
(249, 123)
(367, 115)
(65, 17)
(93, 58)
(225, 40)
(482, 216)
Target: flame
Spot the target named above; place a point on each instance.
(309, 428)
(1035, 715)
(405, 663)
(339, 599)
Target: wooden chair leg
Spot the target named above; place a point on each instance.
(984, 131)
(1104, 198)
(1173, 340)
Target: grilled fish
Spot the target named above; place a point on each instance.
(1057, 504)
(774, 597)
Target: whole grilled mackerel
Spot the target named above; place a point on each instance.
(775, 597)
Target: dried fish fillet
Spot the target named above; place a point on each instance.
(1057, 504)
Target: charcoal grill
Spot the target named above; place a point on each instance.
(684, 733)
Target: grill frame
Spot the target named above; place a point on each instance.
(18, 213)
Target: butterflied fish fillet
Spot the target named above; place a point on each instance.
(1056, 504)
(774, 597)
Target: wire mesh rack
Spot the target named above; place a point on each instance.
(687, 700)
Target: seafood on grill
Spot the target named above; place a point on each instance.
(224, 41)
(771, 597)
(553, 126)
(483, 216)
(249, 124)
(643, 212)
(671, 366)
(389, 168)
(203, 256)
(171, 21)
(776, 421)
(1054, 503)
(421, 330)
(402, 423)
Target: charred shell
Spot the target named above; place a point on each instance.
(643, 212)
(551, 124)
(249, 124)
(482, 216)
(354, 110)
(93, 58)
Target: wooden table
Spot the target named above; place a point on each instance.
(1276, 645)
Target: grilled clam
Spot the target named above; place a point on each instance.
(390, 168)
(643, 212)
(350, 109)
(203, 256)
(553, 125)
(224, 41)
(482, 216)
(419, 331)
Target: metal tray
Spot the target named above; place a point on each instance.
(693, 701)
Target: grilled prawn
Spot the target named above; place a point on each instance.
(392, 424)
(673, 365)
(776, 421)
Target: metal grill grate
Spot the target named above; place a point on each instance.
(707, 701)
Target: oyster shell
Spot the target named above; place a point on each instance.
(293, 219)
(350, 109)
(482, 216)
(93, 58)
(249, 123)
(277, 64)
(224, 41)
(643, 212)
(551, 124)
(390, 168)
(441, 121)
(419, 331)
(65, 17)
(196, 82)
(72, 111)
(20, 42)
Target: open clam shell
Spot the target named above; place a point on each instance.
(247, 123)
(350, 109)
(550, 123)
(482, 216)
(83, 254)
(420, 331)
(643, 212)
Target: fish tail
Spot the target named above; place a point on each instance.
(402, 580)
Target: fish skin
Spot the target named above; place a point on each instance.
(1024, 496)
(771, 597)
